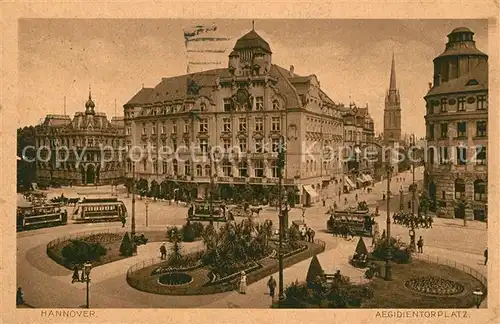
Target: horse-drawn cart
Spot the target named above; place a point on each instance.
(359, 221)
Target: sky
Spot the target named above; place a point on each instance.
(352, 59)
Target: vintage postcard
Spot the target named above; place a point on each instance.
(293, 166)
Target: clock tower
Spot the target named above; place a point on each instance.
(392, 111)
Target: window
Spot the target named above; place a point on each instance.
(242, 127)
(227, 168)
(144, 132)
(481, 102)
(227, 104)
(259, 146)
(226, 124)
(204, 145)
(174, 127)
(276, 105)
(444, 105)
(259, 103)
(275, 124)
(481, 155)
(145, 166)
(242, 167)
(227, 144)
(275, 145)
(204, 125)
(444, 130)
(175, 166)
(153, 129)
(481, 128)
(443, 156)
(443, 195)
(461, 129)
(259, 168)
(203, 107)
(186, 126)
(259, 124)
(208, 171)
(461, 155)
(480, 190)
(164, 167)
(274, 170)
(174, 144)
(242, 143)
(459, 189)
(129, 130)
(186, 142)
(430, 107)
(430, 131)
(155, 167)
(187, 168)
(199, 171)
(163, 129)
(461, 104)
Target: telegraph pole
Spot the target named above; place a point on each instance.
(281, 165)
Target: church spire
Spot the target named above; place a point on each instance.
(392, 85)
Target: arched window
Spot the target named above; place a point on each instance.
(175, 166)
(207, 170)
(459, 189)
(199, 171)
(480, 190)
(242, 166)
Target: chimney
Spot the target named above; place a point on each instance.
(430, 85)
(292, 69)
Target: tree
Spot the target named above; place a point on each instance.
(26, 171)
(315, 271)
(126, 248)
(79, 252)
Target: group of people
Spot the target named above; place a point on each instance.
(76, 274)
(340, 229)
(418, 222)
(307, 234)
(359, 259)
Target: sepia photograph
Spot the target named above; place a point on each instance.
(252, 163)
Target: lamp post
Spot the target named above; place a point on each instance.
(132, 223)
(146, 202)
(478, 294)
(401, 199)
(281, 165)
(87, 267)
(413, 196)
(388, 269)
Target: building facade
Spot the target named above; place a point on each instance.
(359, 147)
(244, 109)
(86, 150)
(456, 171)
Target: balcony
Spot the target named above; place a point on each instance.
(239, 179)
(255, 180)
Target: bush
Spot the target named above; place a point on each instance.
(198, 229)
(188, 233)
(79, 252)
(399, 251)
(126, 248)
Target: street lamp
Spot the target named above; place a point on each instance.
(401, 199)
(281, 165)
(87, 267)
(388, 270)
(146, 202)
(132, 225)
(413, 196)
(478, 294)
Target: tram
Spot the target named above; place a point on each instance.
(200, 211)
(360, 221)
(91, 210)
(37, 216)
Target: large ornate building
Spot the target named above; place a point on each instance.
(245, 107)
(359, 144)
(89, 149)
(457, 117)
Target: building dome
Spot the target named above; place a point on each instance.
(461, 30)
(252, 40)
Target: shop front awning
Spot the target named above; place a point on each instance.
(349, 182)
(368, 177)
(310, 190)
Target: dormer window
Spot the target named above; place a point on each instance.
(472, 82)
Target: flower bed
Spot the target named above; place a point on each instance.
(434, 286)
(175, 279)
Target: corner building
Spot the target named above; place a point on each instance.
(456, 171)
(88, 150)
(245, 107)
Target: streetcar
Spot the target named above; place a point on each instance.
(200, 211)
(360, 221)
(37, 216)
(91, 210)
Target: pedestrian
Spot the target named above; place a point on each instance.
(163, 251)
(420, 245)
(356, 197)
(324, 202)
(334, 205)
(271, 284)
(19, 296)
(383, 196)
(340, 192)
(312, 233)
(75, 277)
(486, 256)
(345, 200)
(243, 283)
(83, 276)
(308, 233)
(124, 220)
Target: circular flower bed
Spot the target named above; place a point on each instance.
(175, 279)
(434, 286)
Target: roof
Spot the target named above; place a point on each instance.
(252, 40)
(452, 51)
(286, 87)
(57, 120)
(460, 30)
(141, 96)
(480, 73)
